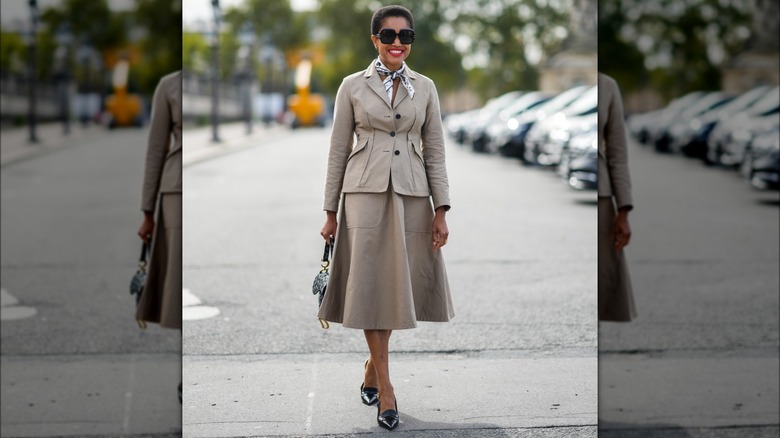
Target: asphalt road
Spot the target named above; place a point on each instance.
(702, 357)
(79, 365)
(519, 357)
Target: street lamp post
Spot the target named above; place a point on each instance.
(62, 75)
(33, 70)
(215, 74)
(267, 55)
(244, 72)
(86, 59)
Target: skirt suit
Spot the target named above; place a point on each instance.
(388, 161)
(161, 299)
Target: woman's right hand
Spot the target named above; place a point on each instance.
(147, 227)
(329, 229)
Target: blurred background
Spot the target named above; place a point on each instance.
(699, 80)
(70, 50)
(473, 50)
(77, 78)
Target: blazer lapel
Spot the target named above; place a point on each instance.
(402, 94)
(375, 83)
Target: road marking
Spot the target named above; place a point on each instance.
(9, 310)
(310, 406)
(129, 396)
(192, 310)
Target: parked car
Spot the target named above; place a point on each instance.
(557, 144)
(579, 162)
(763, 161)
(692, 140)
(474, 125)
(666, 135)
(455, 124)
(739, 142)
(580, 166)
(642, 126)
(528, 101)
(539, 134)
(723, 131)
(510, 140)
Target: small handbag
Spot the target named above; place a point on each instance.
(321, 280)
(139, 279)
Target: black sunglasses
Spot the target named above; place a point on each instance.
(387, 36)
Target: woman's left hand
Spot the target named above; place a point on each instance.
(440, 230)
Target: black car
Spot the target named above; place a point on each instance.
(764, 161)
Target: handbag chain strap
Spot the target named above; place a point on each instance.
(328, 254)
(144, 255)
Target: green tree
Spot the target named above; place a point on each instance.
(162, 44)
(195, 51)
(503, 31)
(673, 46)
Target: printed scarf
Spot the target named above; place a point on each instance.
(391, 75)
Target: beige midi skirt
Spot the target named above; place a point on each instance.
(616, 296)
(384, 274)
(161, 299)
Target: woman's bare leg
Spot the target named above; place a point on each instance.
(379, 370)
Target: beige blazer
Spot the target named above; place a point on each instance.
(373, 141)
(163, 154)
(614, 179)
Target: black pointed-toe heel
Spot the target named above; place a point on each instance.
(388, 419)
(368, 395)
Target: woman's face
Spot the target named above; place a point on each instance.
(393, 55)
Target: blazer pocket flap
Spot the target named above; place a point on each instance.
(416, 147)
(360, 146)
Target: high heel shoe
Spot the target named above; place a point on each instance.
(388, 419)
(368, 394)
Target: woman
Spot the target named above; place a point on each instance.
(161, 299)
(387, 271)
(616, 297)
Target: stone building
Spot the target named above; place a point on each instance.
(577, 61)
(759, 64)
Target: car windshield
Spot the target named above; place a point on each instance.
(525, 102)
(766, 103)
(560, 101)
(584, 103)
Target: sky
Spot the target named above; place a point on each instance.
(193, 10)
(200, 10)
(12, 10)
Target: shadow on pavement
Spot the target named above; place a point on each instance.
(769, 202)
(628, 430)
(594, 202)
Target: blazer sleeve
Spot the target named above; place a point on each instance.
(433, 152)
(341, 140)
(159, 141)
(617, 150)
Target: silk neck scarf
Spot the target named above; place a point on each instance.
(391, 75)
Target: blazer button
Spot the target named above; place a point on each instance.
(398, 152)
(392, 133)
(397, 116)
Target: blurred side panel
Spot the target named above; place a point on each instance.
(700, 90)
(76, 82)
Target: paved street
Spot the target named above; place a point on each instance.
(519, 359)
(702, 357)
(73, 360)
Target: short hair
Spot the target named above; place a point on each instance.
(389, 11)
